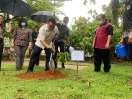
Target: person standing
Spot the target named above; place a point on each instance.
(21, 40)
(34, 37)
(127, 27)
(60, 39)
(46, 33)
(2, 30)
(101, 44)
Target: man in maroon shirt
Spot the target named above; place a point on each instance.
(101, 44)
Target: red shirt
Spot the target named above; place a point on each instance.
(101, 36)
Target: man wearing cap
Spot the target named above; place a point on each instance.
(59, 40)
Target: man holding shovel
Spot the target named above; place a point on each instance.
(43, 42)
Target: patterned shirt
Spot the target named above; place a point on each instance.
(22, 37)
(1, 33)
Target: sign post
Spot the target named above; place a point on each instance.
(77, 55)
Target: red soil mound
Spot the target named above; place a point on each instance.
(42, 76)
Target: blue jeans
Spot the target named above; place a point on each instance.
(36, 52)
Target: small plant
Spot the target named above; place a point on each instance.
(62, 57)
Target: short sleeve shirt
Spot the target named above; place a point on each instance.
(46, 35)
(22, 37)
(63, 31)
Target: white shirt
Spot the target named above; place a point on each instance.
(46, 35)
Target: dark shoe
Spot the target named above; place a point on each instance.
(29, 71)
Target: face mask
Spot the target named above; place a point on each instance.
(100, 22)
(23, 24)
(122, 1)
(64, 23)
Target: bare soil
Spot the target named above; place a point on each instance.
(42, 76)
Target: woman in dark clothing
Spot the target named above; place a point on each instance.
(2, 30)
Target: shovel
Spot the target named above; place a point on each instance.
(51, 65)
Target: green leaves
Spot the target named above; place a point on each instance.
(62, 57)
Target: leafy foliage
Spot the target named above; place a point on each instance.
(62, 57)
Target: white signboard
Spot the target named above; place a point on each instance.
(77, 55)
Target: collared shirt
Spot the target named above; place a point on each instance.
(63, 31)
(46, 35)
(22, 37)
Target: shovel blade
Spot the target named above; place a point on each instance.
(51, 66)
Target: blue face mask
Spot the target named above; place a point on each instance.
(122, 1)
(100, 22)
(64, 23)
(23, 23)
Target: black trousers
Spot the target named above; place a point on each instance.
(61, 45)
(37, 61)
(128, 48)
(1, 50)
(99, 55)
(36, 52)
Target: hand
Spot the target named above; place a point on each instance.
(107, 46)
(121, 41)
(12, 45)
(50, 49)
(29, 47)
(92, 45)
(10, 23)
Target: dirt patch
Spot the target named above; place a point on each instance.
(130, 82)
(42, 76)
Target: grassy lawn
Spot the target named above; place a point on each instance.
(89, 85)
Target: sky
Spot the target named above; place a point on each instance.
(76, 8)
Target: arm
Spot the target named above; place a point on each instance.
(44, 44)
(93, 42)
(68, 40)
(10, 27)
(110, 34)
(122, 40)
(41, 37)
(30, 39)
(12, 42)
(109, 39)
(68, 37)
